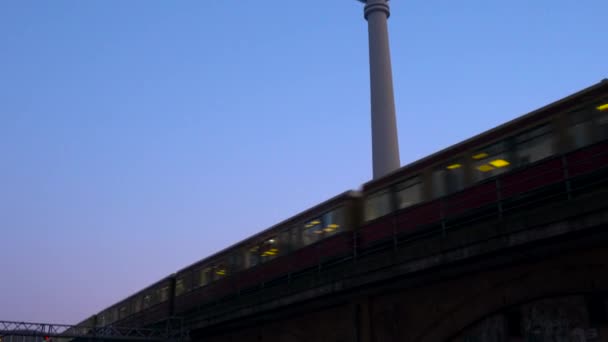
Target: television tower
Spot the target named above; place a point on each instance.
(385, 145)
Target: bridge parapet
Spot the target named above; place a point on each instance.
(66, 332)
(549, 226)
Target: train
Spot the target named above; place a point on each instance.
(560, 147)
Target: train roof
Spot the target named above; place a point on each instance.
(349, 194)
(131, 296)
(483, 138)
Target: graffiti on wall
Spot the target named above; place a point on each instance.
(562, 319)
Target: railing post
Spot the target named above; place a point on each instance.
(499, 196)
(394, 226)
(319, 246)
(567, 177)
(442, 215)
(355, 239)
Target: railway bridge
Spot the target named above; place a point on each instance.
(538, 272)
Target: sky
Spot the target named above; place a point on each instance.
(137, 137)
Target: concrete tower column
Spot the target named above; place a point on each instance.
(385, 144)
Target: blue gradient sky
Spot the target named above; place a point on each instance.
(139, 136)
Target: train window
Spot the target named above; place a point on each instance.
(580, 128)
(328, 224)
(179, 287)
(295, 237)
(409, 192)
(220, 270)
(235, 261)
(333, 222)
(312, 231)
(490, 161)
(448, 178)
(284, 242)
(205, 276)
(377, 205)
(252, 256)
(122, 313)
(137, 304)
(601, 111)
(147, 301)
(163, 294)
(269, 249)
(102, 319)
(533, 145)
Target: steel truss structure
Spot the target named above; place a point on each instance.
(64, 332)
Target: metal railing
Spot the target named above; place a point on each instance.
(68, 332)
(564, 188)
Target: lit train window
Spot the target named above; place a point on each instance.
(328, 224)
(490, 161)
(269, 249)
(448, 178)
(333, 222)
(601, 113)
(533, 145)
(312, 231)
(377, 205)
(409, 192)
(220, 270)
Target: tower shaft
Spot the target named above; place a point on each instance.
(385, 144)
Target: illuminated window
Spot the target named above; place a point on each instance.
(490, 161)
(601, 117)
(333, 222)
(377, 205)
(409, 192)
(312, 231)
(220, 271)
(269, 249)
(480, 155)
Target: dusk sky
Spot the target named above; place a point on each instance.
(139, 136)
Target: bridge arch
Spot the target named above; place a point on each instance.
(570, 286)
